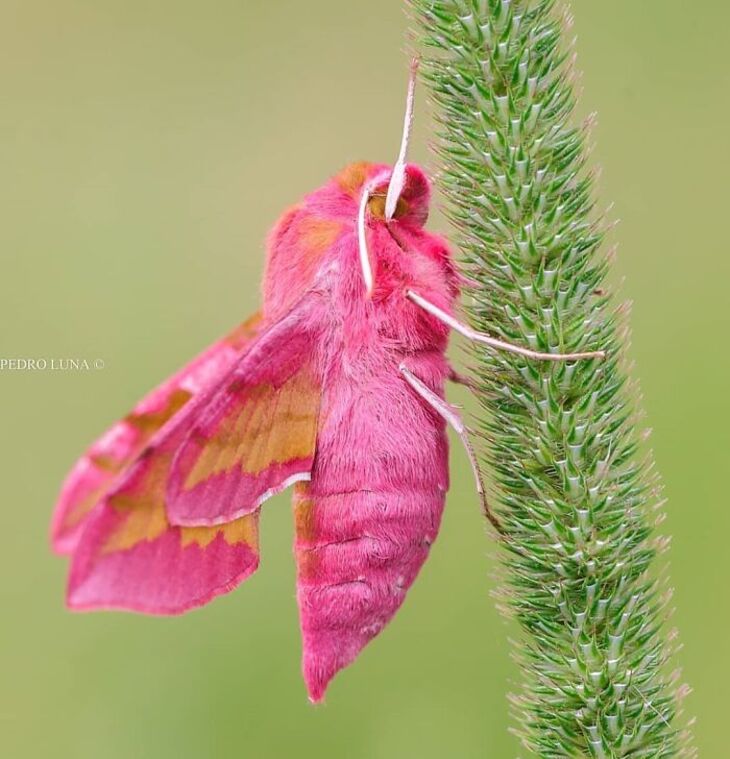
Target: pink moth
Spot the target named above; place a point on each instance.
(337, 386)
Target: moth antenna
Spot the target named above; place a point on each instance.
(452, 416)
(397, 180)
(493, 342)
(367, 269)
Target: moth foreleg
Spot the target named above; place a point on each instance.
(493, 342)
(452, 416)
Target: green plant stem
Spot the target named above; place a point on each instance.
(575, 494)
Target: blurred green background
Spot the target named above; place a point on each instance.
(146, 149)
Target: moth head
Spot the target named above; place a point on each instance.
(386, 196)
(411, 204)
(370, 182)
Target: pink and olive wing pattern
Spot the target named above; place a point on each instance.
(257, 435)
(100, 467)
(134, 554)
(131, 558)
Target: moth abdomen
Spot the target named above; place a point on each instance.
(357, 555)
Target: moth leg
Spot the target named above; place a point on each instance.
(460, 379)
(452, 416)
(493, 342)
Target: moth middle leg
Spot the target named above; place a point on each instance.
(452, 416)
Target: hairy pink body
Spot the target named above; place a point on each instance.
(315, 395)
(373, 508)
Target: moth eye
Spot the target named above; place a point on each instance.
(376, 205)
